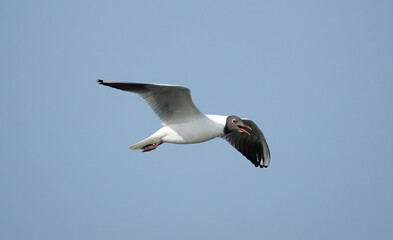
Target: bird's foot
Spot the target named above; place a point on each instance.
(150, 147)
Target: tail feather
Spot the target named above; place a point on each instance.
(145, 142)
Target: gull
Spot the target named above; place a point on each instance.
(183, 123)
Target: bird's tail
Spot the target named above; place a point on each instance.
(148, 141)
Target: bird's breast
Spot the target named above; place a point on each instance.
(199, 130)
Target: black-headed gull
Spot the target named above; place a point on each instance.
(183, 123)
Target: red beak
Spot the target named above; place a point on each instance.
(241, 128)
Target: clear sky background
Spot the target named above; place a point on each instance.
(316, 76)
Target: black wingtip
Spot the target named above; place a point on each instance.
(100, 81)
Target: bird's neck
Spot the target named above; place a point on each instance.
(219, 120)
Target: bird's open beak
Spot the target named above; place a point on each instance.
(242, 128)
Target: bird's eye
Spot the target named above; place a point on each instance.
(234, 120)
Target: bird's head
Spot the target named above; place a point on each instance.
(234, 123)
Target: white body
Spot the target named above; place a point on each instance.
(198, 130)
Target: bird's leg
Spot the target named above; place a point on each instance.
(150, 147)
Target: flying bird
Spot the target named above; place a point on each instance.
(183, 123)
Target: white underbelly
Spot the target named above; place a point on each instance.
(192, 132)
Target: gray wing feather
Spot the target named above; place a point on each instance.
(254, 146)
(172, 104)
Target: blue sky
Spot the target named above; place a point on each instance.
(316, 76)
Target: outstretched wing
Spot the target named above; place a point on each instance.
(253, 146)
(172, 104)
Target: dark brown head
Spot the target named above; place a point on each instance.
(234, 123)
